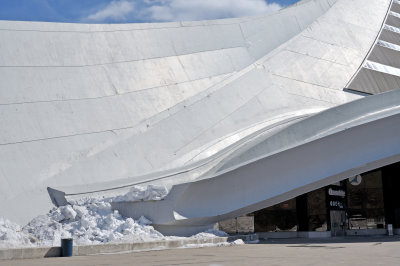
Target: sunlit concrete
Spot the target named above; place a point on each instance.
(197, 106)
(339, 251)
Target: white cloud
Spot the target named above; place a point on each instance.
(176, 10)
(180, 10)
(116, 10)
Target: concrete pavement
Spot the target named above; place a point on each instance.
(334, 251)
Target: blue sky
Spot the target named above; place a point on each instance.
(126, 11)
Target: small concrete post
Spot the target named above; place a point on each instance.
(390, 229)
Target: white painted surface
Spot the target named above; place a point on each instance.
(332, 147)
(94, 107)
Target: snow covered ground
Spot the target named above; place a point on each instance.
(222, 244)
(138, 193)
(89, 221)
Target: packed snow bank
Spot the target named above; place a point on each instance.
(88, 221)
(222, 244)
(11, 235)
(140, 193)
(210, 233)
(92, 223)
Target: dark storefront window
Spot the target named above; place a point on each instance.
(317, 220)
(281, 217)
(285, 216)
(354, 203)
(391, 185)
(365, 202)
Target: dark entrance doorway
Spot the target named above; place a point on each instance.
(338, 222)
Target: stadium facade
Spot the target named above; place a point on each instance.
(233, 115)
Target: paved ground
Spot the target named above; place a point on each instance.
(337, 251)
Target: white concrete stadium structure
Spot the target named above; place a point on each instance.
(233, 115)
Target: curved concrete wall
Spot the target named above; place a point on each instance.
(87, 106)
(336, 144)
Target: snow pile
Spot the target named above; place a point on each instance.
(11, 235)
(92, 223)
(237, 242)
(88, 221)
(210, 233)
(140, 193)
(144, 221)
(221, 244)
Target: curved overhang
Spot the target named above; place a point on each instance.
(361, 136)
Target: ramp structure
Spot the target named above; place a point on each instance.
(232, 115)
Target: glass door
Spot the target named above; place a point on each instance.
(338, 222)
